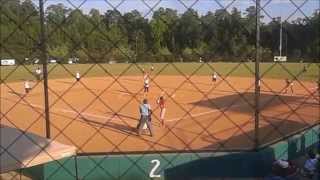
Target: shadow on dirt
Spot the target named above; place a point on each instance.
(244, 102)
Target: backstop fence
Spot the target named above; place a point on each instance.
(219, 75)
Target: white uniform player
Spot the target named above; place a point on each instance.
(146, 83)
(77, 76)
(38, 73)
(214, 77)
(27, 86)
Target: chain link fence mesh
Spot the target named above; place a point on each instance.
(82, 69)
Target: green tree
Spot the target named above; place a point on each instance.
(189, 26)
(59, 52)
(56, 16)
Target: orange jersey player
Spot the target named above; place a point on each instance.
(162, 105)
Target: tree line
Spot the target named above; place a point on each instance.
(166, 36)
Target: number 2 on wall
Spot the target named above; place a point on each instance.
(156, 163)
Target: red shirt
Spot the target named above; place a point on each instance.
(161, 103)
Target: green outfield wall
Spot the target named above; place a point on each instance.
(177, 165)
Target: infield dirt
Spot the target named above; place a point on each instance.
(100, 114)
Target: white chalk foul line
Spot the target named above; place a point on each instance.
(76, 113)
(108, 118)
(192, 115)
(87, 114)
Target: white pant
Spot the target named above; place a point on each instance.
(145, 126)
(162, 113)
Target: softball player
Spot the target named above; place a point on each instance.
(78, 76)
(289, 84)
(161, 103)
(38, 73)
(214, 77)
(27, 86)
(146, 83)
(304, 69)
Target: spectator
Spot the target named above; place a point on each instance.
(283, 170)
(318, 147)
(310, 166)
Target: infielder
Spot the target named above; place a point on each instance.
(289, 84)
(145, 112)
(146, 83)
(78, 76)
(161, 103)
(214, 77)
(27, 87)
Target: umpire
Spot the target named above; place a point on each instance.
(145, 111)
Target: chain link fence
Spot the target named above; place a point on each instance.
(219, 75)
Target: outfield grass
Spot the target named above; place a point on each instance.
(269, 70)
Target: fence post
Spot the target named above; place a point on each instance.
(318, 86)
(257, 78)
(44, 59)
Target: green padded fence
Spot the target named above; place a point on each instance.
(177, 166)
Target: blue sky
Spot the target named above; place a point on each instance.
(284, 8)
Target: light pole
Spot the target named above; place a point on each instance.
(257, 79)
(136, 47)
(43, 59)
(280, 46)
(286, 42)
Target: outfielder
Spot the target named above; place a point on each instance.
(38, 73)
(304, 70)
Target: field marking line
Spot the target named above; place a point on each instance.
(86, 114)
(199, 114)
(192, 115)
(73, 112)
(76, 113)
(113, 117)
(109, 118)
